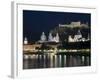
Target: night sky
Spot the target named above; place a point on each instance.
(36, 22)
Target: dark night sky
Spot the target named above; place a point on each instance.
(36, 22)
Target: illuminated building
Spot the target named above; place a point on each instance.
(43, 38)
(31, 47)
(50, 37)
(57, 37)
(25, 40)
(77, 38)
(74, 24)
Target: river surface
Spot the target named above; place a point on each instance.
(36, 61)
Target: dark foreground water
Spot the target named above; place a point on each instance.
(35, 61)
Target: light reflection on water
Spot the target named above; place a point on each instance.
(53, 61)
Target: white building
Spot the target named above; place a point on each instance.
(57, 37)
(43, 37)
(50, 38)
(74, 24)
(53, 39)
(77, 38)
(25, 40)
(70, 39)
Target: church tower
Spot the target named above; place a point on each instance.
(50, 37)
(57, 37)
(43, 37)
(25, 40)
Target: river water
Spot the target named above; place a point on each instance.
(36, 61)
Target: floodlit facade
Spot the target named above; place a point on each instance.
(25, 40)
(74, 24)
(77, 38)
(43, 37)
(51, 38)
